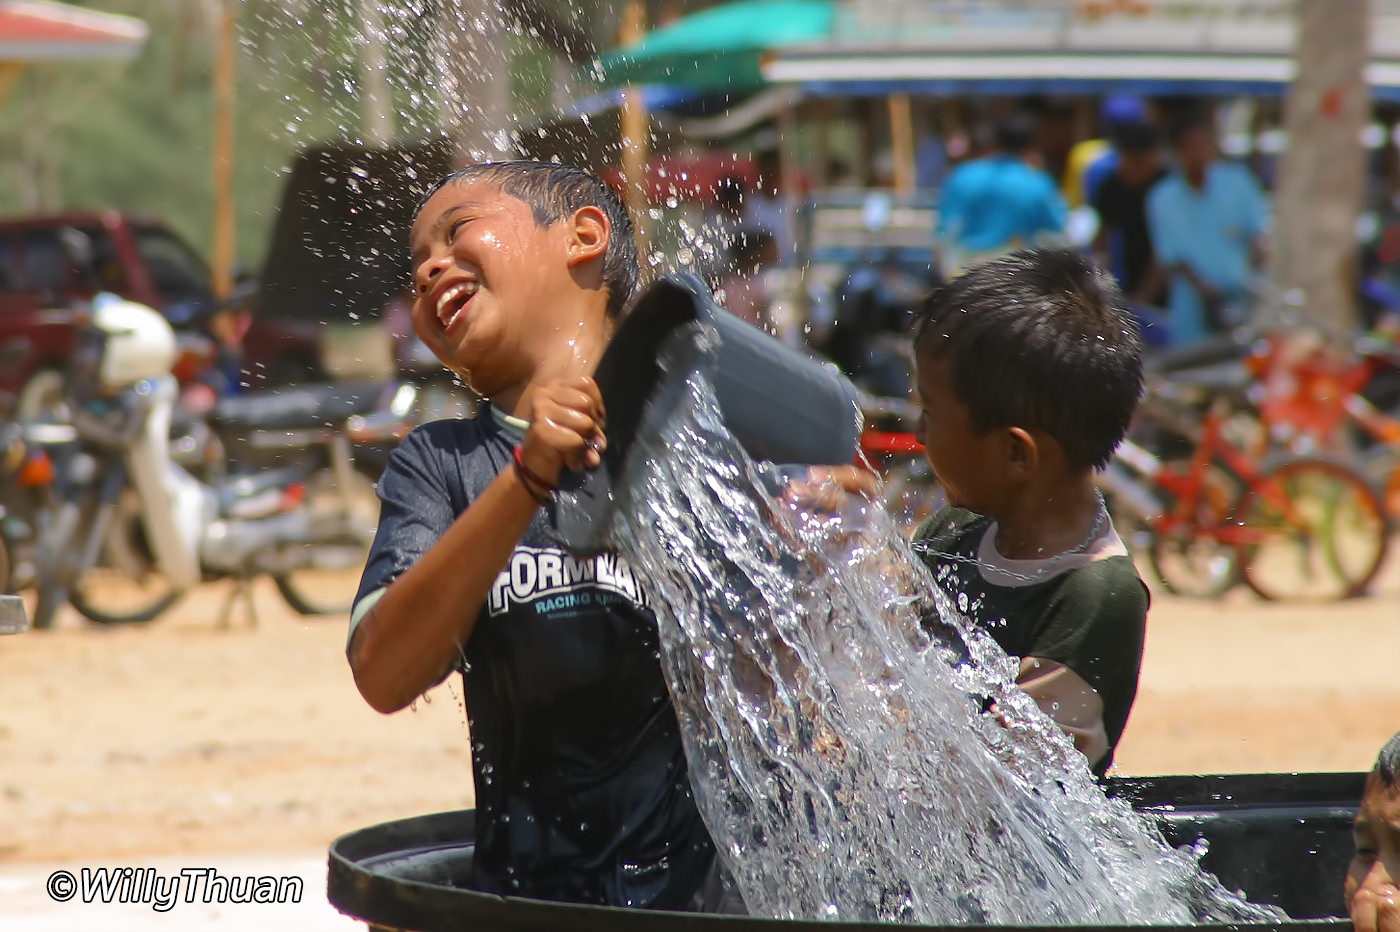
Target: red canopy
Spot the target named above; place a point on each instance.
(44, 31)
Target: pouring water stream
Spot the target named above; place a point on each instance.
(832, 699)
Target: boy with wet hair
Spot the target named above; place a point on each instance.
(1373, 877)
(1028, 370)
(520, 271)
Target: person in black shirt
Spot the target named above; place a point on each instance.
(519, 271)
(1124, 243)
(1028, 371)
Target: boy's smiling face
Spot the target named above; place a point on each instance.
(490, 284)
(1375, 868)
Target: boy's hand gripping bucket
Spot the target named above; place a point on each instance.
(782, 405)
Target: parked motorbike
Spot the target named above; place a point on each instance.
(134, 529)
(26, 492)
(875, 303)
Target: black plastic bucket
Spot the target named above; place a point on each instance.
(781, 405)
(1283, 839)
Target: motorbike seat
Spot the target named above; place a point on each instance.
(299, 407)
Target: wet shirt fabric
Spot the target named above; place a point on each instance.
(1087, 611)
(582, 791)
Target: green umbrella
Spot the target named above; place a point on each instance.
(719, 48)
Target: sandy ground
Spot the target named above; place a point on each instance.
(182, 741)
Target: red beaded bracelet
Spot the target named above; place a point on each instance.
(530, 479)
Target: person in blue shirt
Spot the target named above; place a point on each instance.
(995, 205)
(1207, 220)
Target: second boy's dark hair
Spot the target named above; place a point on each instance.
(554, 191)
(1039, 339)
(1388, 763)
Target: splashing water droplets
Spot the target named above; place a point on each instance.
(839, 752)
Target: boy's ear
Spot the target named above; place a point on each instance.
(589, 232)
(1022, 453)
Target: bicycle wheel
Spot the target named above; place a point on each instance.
(1188, 560)
(326, 583)
(124, 584)
(1317, 531)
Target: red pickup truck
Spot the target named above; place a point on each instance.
(139, 258)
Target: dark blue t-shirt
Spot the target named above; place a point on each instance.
(582, 791)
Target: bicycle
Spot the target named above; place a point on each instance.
(1300, 528)
(1315, 400)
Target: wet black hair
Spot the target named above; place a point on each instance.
(1388, 763)
(553, 191)
(1040, 338)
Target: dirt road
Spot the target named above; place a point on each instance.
(181, 737)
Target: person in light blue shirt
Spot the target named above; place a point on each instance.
(994, 205)
(1207, 220)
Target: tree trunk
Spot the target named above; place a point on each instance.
(474, 71)
(1322, 174)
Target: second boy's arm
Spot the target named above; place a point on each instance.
(412, 636)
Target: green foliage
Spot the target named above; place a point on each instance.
(137, 136)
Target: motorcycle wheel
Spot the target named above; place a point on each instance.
(124, 586)
(327, 586)
(58, 531)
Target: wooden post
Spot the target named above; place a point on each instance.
(473, 67)
(377, 100)
(787, 177)
(635, 143)
(9, 76)
(1322, 173)
(902, 142)
(821, 148)
(224, 219)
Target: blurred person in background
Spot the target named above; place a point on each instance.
(1207, 219)
(1123, 243)
(1092, 161)
(994, 205)
(745, 291)
(765, 210)
(1374, 872)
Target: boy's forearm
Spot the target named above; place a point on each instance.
(1074, 705)
(412, 636)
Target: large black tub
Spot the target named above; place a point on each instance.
(1283, 839)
